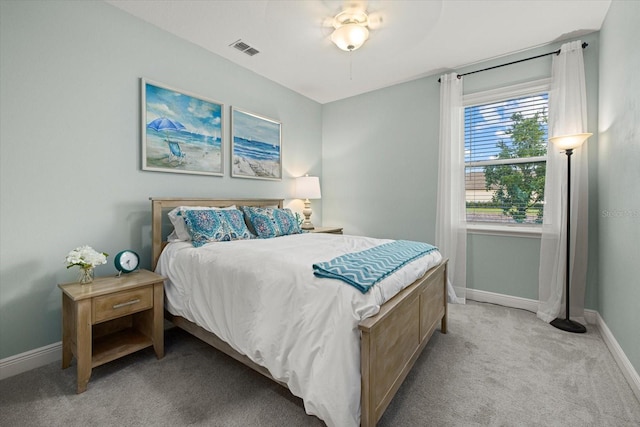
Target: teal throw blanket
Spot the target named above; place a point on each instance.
(366, 268)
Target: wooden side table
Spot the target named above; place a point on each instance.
(110, 318)
(331, 230)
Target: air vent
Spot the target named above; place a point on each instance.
(243, 47)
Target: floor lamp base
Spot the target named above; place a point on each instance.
(568, 325)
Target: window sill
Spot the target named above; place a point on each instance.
(505, 230)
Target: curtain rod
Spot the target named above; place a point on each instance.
(557, 52)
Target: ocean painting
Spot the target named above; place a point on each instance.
(256, 149)
(181, 133)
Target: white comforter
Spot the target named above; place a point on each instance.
(262, 298)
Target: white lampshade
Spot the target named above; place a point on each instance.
(307, 187)
(350, 36)
(569, 142)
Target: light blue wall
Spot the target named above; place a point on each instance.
(380, 158)
(619, 176)
(70, 146)
(505, 265)
(380, 162)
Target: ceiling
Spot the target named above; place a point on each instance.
(415, 38)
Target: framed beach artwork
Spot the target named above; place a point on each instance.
(256, 146)
(181, 132)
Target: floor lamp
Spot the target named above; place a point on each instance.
(568, 143)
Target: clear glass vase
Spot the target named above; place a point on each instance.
(86, 276)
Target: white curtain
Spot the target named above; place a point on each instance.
(567, 115)
(451, 229)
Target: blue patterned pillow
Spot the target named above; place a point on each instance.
(205, 226)
(235, 225)
(271, 222)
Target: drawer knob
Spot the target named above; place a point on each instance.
(124, 304)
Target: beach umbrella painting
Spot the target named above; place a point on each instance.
(164, 124)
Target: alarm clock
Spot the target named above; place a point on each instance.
(126, 261)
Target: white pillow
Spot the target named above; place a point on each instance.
(180, 233)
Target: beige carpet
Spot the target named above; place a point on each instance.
(496, 367)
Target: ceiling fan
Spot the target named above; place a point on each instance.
(352, 23)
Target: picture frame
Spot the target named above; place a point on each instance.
(181, 132)
(256, 146)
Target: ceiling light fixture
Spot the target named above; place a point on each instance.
(351, 30)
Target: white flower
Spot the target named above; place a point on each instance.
(85, 257)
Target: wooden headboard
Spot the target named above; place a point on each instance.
(159, 216)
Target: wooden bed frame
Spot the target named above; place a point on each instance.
(391, 341)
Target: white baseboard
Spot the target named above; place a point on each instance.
(591, 317)
(31, 359)
(618, 354)
(501, 299)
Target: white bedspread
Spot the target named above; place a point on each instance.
(262, 298)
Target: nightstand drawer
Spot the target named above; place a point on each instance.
(122, 303)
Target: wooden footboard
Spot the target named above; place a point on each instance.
(393, 339)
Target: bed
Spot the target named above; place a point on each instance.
(390, 340)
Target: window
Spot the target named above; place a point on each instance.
(505, 136)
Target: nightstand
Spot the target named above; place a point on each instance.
(330, 230)
(110, 318)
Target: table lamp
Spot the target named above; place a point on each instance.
(307, 187)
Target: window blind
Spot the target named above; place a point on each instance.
(505, 159)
